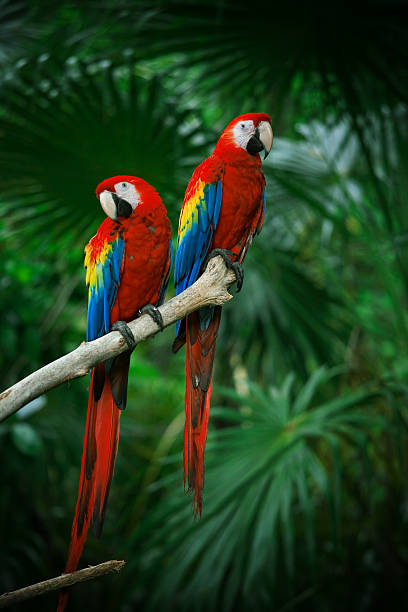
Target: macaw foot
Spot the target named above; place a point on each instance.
(126, 333)
(235, 266)
(153, 312)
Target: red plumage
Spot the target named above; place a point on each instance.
(240, 217)
(200, 351)
(138, 276)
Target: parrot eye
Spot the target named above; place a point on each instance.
(127, 191)
(242, 131)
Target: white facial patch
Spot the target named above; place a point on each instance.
(243, 131)
(128, 192)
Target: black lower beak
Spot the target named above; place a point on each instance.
(254, 144)
(123, 208)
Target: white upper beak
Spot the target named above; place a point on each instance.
(108, 205)
(266, 136)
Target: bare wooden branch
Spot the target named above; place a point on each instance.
(211, 289)
(60, 582)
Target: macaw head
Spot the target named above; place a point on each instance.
(251, 132)
(121, 195)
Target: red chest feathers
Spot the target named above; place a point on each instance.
(242, 205)
(145, 261)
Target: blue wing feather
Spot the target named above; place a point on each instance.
(195, 235)
(104, 284)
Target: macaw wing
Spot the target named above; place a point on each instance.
(262, 216)
(163, 288)
(103, 261)
(198, 220)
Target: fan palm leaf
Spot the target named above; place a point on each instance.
(355, 57)
(267, 474)
(61, 137)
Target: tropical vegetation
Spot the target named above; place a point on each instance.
(305, 504)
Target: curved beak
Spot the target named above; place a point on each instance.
(266, 136)
(114, 206)
(261, 140)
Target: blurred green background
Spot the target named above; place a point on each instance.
(306, 499)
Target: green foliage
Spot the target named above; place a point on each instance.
(61, 136)
(273, 470)
(305, 490)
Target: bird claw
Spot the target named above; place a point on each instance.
(238, 269)
(235, 266)
(154, 313)
(123, 328)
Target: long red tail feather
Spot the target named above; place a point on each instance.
(98, 461)
(200, 351)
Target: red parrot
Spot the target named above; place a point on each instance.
(223, 209)
(128, 265)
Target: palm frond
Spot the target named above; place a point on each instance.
(15, 31)
(61, 137)
(278, 462)
(342, 56)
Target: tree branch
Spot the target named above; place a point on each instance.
(63, 581)
(211, 289)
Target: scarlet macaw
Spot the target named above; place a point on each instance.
(127, 265)
(223, 209)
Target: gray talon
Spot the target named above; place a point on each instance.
(126, 333)
(239, 274)
(154, 313)
(224, 253)
(235, 266)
